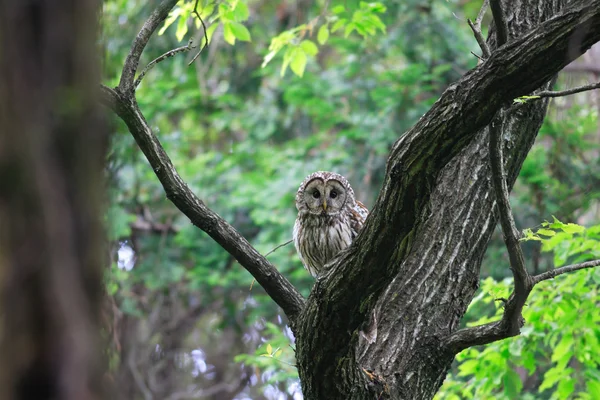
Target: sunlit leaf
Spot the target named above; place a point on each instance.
(239, 31)
(228, 33)
(323, 34)
(298, 62)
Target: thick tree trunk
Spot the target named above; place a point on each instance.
(52, 152)
(420, 253)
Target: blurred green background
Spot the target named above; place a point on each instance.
(187, 321)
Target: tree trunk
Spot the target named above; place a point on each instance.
(382, 322)
(52, 155)
(376, 326)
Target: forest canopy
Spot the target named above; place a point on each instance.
(238, 101)
(284, 90)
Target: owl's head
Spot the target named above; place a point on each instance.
(324, 193)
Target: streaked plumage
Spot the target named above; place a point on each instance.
(329, 218)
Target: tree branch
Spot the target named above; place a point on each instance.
(133, 58)
(579, 89)
(481, 13)
(485, 50)
(476, 28)
(499, 22)
(204, 32)
(512, 319)
(522, 280)
(563, 270)
(275, 284)
(168, 54)
(122, 101)
(493, 331)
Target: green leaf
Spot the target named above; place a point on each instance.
(309, 48)
(552, 376)
(298, 62)
(268, 58)
(181, 28)
(563, 348)
(468, 367)
(287, 57)
(338, 9)
(349, 28)
(593, 386)
(529, 235)
(338, 24)
(572, 228)
(240, 12)
(323, 34)
(240, 31)
(512, 384)
(566, 386)
(228, 33)
(545, 232)
(269, 349)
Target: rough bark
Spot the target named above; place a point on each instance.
(378, 325)
(52, 156)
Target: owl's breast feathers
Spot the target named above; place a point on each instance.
(319, 238)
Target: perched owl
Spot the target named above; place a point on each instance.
(329, 218)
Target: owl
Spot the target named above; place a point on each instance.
(329, 218)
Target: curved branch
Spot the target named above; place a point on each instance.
(275, 284)
(522, 281)
(563, 270)
(498, 330)
(133, 58)
(166, 55)
(567, 92)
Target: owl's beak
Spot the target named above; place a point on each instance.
(324, 204)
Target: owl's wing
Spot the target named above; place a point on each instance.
(358, 214)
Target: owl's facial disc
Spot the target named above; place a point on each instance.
(314, 196)
(335, 196)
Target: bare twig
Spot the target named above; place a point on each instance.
(563, 270)
(204, 30)
(281, 245)
(478, 57)
(133, 58)
(277, 247)
(482, 11)
(480, 40)
(579, 89)
(499, 22)
(168, 54)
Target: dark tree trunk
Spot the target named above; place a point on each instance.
(52, 152)
(419, 255)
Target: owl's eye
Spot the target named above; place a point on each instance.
(316, 194)
(333, 194)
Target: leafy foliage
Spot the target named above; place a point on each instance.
(557, 354)
(243, 135)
